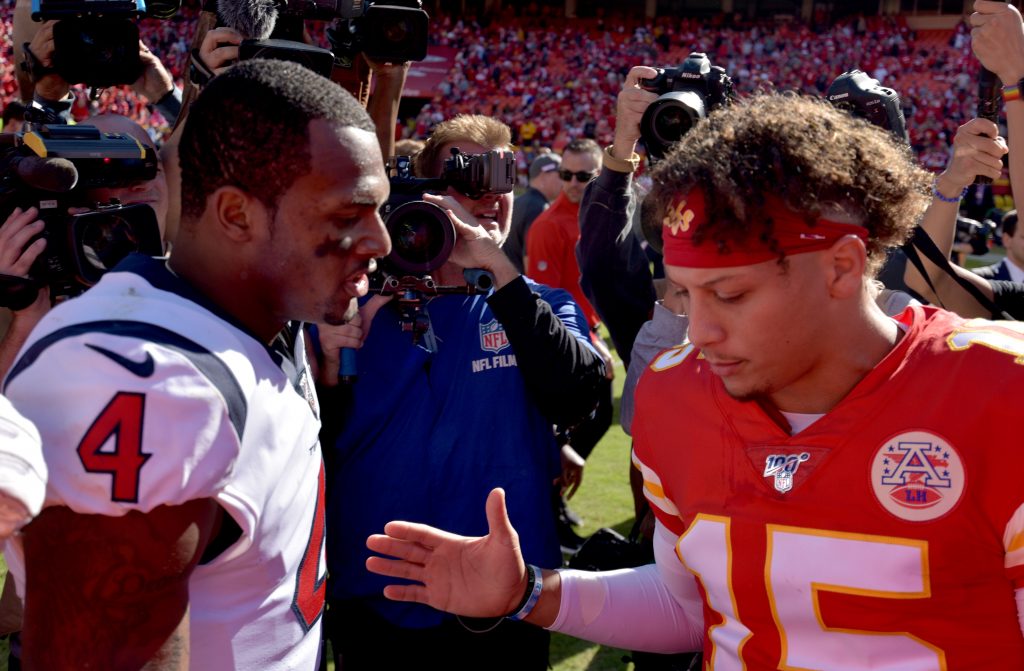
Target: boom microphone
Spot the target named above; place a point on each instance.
(57, 175)
(254, 19)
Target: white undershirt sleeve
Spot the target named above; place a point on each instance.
(653, 608)
(1019, 593)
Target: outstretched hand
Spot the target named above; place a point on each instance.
(476, 577)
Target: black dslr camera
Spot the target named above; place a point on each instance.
(688, 94)
(96, 42)
(861, 95)
(422, 235)
(49, 168)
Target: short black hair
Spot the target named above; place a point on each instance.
(14, 110)
(250, 128)
(1009, 223)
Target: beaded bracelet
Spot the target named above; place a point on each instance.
(533, 589)
(1011, 92)
(944, 199)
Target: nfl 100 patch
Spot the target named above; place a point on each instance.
(917, 476)
(782, 467)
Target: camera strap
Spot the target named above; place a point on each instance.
(923, 242)
(199, 72)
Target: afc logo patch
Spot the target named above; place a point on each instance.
(917, 476)
(492, 337)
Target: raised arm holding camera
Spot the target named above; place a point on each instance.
(997, 39)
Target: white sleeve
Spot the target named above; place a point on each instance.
(659, 602)
(22, 470)
(1019, 593)
(114, 441)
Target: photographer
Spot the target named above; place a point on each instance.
(52, 94)
(614, 269)
(433, 426)
(998, 41)
(17, 255)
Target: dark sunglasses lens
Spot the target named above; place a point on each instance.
(581, 176)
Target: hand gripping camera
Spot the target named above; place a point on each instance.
(422, 235)
(687, 95)
(49, 168)
(393, 32)
(96, 42)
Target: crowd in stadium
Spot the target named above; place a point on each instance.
(274, 399)
(566, 87)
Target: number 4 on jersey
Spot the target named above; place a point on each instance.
(122, 420)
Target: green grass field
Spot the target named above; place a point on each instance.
(603, 500)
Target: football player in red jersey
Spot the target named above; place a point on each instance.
(823, 498)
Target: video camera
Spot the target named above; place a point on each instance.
(687, 95)
(394, 32)
(422, 235)
(49, 167)
(865, 98)
(96, 42)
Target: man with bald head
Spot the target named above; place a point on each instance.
(166, 394)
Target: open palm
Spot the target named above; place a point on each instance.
(476, 577)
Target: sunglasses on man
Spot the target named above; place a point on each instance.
(581, 176)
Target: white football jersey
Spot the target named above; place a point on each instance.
(22, 470)
(143, 397)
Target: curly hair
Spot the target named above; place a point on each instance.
(483, 130)
(250, 128)
(819, 160)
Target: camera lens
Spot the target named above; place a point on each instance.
(422, 237)
(396, 32)
(107, 239)
(669, 118)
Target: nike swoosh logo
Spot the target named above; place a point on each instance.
(142, 368)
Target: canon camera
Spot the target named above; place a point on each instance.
(861, 95)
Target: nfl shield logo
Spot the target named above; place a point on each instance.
(492, 337)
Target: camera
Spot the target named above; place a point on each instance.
(687, 95)
(394, 32)
(862, 96)
(81, 247)
(975, 233)
(320, 61)
(423, 237)
(96, 42)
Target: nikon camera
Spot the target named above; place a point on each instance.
(861, 95)
(51, 168)
(96, 42)
(688, 93)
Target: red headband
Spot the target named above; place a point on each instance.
(792, 232)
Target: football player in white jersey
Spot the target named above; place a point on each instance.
(183, 524)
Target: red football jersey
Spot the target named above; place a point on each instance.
(889, 534)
